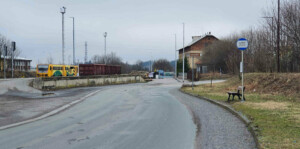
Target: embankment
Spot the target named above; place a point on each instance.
(71, 82)
(272, 104)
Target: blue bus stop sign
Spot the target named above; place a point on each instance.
(242, 44)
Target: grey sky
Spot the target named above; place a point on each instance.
(137, 29)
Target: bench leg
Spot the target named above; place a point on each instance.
(228, 97)
(241, 98)
(233, 97)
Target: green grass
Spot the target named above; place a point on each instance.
(275, 117)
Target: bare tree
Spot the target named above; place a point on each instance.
(50, 59)
(162, 64)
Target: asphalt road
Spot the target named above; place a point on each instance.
(137, 116)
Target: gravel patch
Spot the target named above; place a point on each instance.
(219, 129)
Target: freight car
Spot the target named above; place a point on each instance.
(98, 69)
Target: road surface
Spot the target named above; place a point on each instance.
(137, 116)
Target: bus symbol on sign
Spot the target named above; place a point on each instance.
(242, 44)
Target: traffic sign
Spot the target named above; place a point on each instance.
(242, 44)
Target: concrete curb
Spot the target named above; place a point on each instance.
(239, 115)
(53, 112)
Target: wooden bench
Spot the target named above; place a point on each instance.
(238, 93)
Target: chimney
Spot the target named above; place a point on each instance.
(196, 38)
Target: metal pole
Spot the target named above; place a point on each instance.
(183, 57)
(193, 72)
(5, 54)
(73, 40)
(12, 63)
(242, 75)
(272, 40)
(63, 39)
(85, 57)
(278, 38)
(149, 66)
(105, 48)
(175, 75)
(63, 11)
(105, 59)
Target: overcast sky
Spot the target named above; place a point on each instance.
(137, 29)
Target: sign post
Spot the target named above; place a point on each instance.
(242, 44)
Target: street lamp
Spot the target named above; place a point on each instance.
(73, 40)
(183, 56)
(175, 75)
(63, 11)
(105, 35)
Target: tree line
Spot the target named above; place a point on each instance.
(262, 53)
(113, 59)
(4, 42)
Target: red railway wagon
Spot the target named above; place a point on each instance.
(98, 69)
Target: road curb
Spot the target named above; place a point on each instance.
(53, 112)
(239, 115)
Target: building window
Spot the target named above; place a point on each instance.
(205, 44)
(204, 69)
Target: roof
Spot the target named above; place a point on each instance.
(16, 58)
(195, 41)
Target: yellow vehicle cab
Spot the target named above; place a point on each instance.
(52, 70)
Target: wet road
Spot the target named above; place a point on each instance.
(137, 116)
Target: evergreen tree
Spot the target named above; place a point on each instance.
(187, 67)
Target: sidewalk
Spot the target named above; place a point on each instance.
(199, 82)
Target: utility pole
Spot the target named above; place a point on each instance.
(74, 62)
(105, 35)
(4, 66)
(183, 56)
(85, 57)
(63, 11)
(175, 75)
(278, 38)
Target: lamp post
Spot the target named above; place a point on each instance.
(73, 40)
(175, 75)
(183, 57)
(63, 11)
(105, 35)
